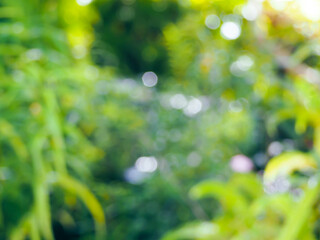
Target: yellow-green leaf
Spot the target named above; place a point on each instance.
(229, 197)
(287, 163)
(200, 230)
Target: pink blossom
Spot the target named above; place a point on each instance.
(241, 163)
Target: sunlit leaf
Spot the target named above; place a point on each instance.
(87, 197)
(287, 163)
(300, 214)
(198, 230)
(228, 196)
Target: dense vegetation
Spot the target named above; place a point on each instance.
(159, 119)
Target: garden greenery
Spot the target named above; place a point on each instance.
(159, 119)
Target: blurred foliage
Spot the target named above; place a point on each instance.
(236, 102)
(129, 35)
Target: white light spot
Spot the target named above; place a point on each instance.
(275, 148)
(235, 106)
(312, 75)
(127, 85)
(312, 182)
(83, 2)
(279, 185)
(73, 117)
(230, 30)
(212, 21)
(205, 103)
(245, 63)
(133, 176)
(34, 54)
(194, 159)
(251, 11)
(310, 9)
(146, 164)
(235, 70)
(178, 101)
(241, 163)
(165, 101)
(260, 159)
(149, 79)
(279, 4)
(18, 76)
(194, 106)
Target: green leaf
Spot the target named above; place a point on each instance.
(88, 199)
(299, 215)
(230, 198)
(287, 163)
(199, 230)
